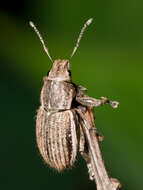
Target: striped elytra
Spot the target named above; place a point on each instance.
(57, 137)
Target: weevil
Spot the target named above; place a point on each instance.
(65, 119)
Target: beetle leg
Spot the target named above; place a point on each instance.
(89, 114)
(81, 88)
(93, 102)
(99, 136)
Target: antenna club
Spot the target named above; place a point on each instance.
(41, 39)
(31, 23)
(89, 21)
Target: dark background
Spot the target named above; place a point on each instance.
(109, 62)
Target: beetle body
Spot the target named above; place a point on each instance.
(57, 121)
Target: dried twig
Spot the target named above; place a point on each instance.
(97, 171)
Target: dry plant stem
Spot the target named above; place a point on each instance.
(97, 158)
(96, 174)
(100, 174)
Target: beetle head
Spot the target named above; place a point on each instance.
(60, 70)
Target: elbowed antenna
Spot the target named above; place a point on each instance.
(41, 39)
(88, 22)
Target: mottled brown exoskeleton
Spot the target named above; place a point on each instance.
(65, 119)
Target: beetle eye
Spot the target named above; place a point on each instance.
(69, 72)
(48, 73)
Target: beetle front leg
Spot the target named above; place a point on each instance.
(93, 102)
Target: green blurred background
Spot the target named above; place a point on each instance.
(109, 62)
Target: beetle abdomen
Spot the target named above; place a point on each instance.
(57, 137)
